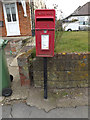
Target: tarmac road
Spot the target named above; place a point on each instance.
(21, 110)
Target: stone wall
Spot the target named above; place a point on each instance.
(63, 71)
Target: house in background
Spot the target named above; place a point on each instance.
(15, 18)
(81, 14)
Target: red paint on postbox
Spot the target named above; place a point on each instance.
(45, 32)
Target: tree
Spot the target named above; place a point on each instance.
(58, 26)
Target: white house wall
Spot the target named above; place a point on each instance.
(83, 18)
(79, 18)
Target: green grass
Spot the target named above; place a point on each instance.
(71, 41)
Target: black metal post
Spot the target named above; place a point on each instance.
(45, 77)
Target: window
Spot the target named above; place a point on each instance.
(7, 6)
(11, 12)
(83, 23)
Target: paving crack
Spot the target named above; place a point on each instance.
(11, 111)
(30, 114)
(40, 108)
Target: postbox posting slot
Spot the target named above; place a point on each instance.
(44, 19)
(44, 22)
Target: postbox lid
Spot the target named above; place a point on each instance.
(42, 13)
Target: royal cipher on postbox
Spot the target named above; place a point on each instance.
(45, 32)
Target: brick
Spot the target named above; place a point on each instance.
(27, 83)
(22, 82)
(68, 84)
(13, 49)
(38, 83)
(22, 77)
(61, 73)
(38, 65)
(78, 75)
(58, 85)
(24, 71)
(2, 29)
(38, 75)
(20, 69)
(60, 65)
(25, 26)
(58, 76)
(68, 71)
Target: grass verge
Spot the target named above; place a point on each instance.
(71, 42)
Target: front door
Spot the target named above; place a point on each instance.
(11, 19)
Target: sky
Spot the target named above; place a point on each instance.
(66, 6)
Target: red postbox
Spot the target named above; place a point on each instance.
(45, 32)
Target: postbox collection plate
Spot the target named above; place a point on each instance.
(45, 42)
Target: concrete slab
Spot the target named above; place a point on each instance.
(0, 112)
(37, 113)
(19, 93)
(56, 99)
(21, 110)
(68, 102)
(6, 111)
(78, 112)
(36, 99)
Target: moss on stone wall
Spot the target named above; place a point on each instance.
(63, 71)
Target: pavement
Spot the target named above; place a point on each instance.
(28, 102)
(21, 110)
